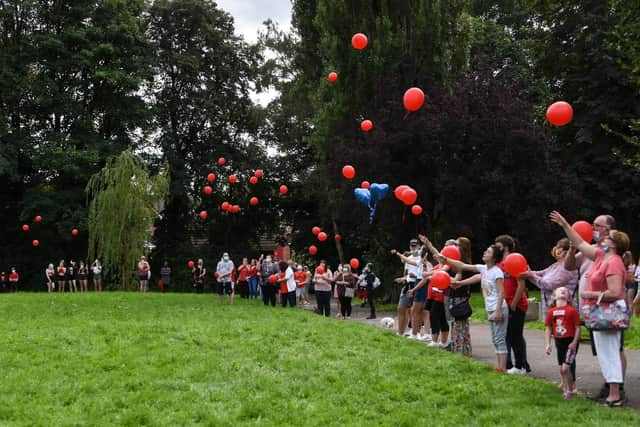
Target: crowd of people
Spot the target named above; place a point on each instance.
(582, 275)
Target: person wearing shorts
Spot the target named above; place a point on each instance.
(412, 274)
(224, 270)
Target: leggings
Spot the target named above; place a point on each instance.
(515, 338)
(438, 318)
(345, 306)
(324, 302)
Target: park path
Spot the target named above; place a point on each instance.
(589, 377)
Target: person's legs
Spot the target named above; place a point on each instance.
(372, 307)
(402, 319)
(444, 326)
(292, 299)
(607, 345)
(416, 316)
(347, 301)
(324, 299)
(498, 338)
(231, 291)
(515, 331)
(435, 317)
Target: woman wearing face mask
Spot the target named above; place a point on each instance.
(334, 288)
(266, 268)
(243, 279)
(253, 279)
(322, 287)
(346, 284)
(300, 277)
(605, 284)
(554, 276)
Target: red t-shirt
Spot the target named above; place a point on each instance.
(283, 284)
(253, 271)
(300, 276)
(14, 277)
(243, 271)
(510, 287)
(433, 293)
(597, 280)
(563, 321)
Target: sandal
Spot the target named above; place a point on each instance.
(614, 403)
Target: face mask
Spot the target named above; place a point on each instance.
(226, 258)
(366, 270)
(596, 236)
(561, 302)
(299, 268)
(606, 249)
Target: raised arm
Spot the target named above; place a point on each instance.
(404, 259)
(428, 244)
(458, 265)
(588, 250)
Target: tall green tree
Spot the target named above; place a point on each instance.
(125, 202)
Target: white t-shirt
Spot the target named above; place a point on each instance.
(96, 269)
(224, 269)
(291, 282)
(415, 270)
(489, 277)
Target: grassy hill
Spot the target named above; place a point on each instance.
(131, 359)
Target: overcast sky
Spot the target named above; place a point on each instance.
(250, 14)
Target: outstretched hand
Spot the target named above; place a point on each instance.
(423, 238)
(556, 217)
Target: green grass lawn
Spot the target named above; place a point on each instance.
(179, 359)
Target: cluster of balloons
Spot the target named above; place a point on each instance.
(38, 219)
(370, 194)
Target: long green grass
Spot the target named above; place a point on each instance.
(131, 359)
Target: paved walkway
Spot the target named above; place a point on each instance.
(589, 377)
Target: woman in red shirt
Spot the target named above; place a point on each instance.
(606, 284)
(14, 277)
(243, 279)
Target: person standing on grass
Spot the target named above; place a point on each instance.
(71, 276)
(322, 287)
(4, 283)
(288, 284)
(252, 278)
(83, 276)
(334, 291)
(224, 269)
(460, 330)
(412, 275)
(307, 284)
(563, 323)
(96, 270)
(243, 279)
(143, 274)
(50, 274)
(300, 278)
(515, 294)
(369, 279)
(491, 277)
(14, 278)
(61, 276)
(165, 276)
(267, 268)
(605, 283)
(346, 283)
(199, 273)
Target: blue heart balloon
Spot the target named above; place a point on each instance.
(378, 191)
(362, 195)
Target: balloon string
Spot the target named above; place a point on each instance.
(406, 115)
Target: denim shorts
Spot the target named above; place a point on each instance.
(421, 295)
(406, 300)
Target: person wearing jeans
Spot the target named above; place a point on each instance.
(266, 269)
(346, 280)
(253, 279)
(322, 286)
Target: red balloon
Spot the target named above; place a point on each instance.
(221, 161)
(273, 278)
(25, 227)
(284, 190)
(225, 206)
(38, 218)
(398, 191)
(203, 214)
(322, 236)
(207, 190)
(416, 209)
(316, 230)
(35, 243)
(584, 229)
(365, 185)
(253, 180)
(253, 201)
(451, 252)
(211, 177)
(258, 173)
(320, 269)
(74, 232)
(337, 237)
(440, 280)
(515, 264)
(354, 263)
(313, 250)
(359, 41)
(413, 99)
(235, 209)
(348, 172)
(409, 196)
(191, 264)
(366, 125)
(560, 113)
(333, 77)
(233, 179)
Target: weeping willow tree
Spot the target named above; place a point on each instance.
(124, 202)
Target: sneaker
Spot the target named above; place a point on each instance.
(348, 317)
(567, 394)
(434, 344)
(407, 334)
(425, 337)
(446, 347)
(517, 371)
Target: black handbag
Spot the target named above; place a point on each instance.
(461, 310)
